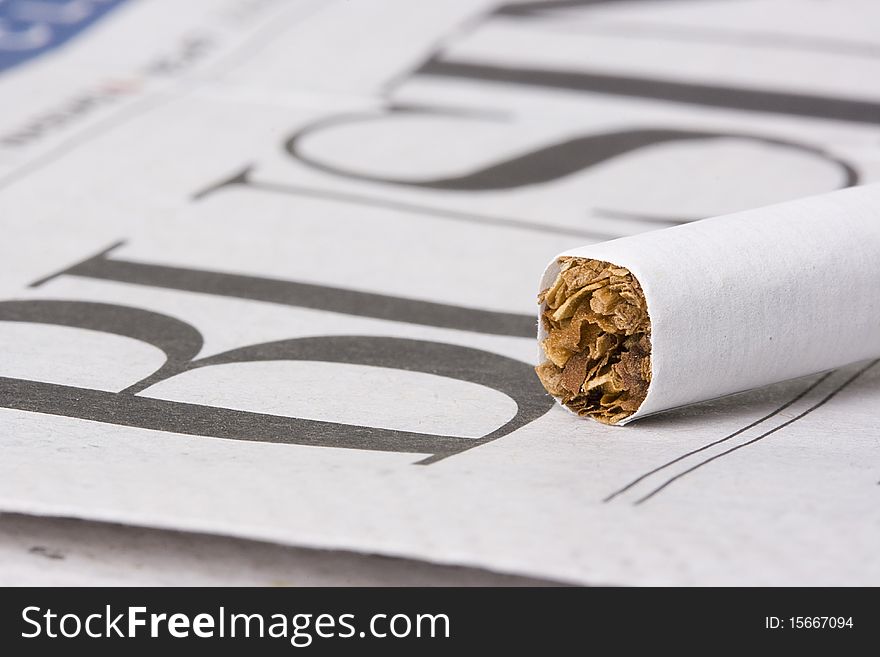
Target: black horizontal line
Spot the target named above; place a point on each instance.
(308, 295)
(707, 95)
(416, 208)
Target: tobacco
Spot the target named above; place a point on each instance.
(598, 340)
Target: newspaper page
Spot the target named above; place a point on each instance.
(268, 270)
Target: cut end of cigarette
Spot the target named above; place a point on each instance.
(598, 344)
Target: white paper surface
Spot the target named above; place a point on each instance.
(756, 297)
(375, 187)
(40, 551)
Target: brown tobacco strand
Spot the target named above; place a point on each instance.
(598, 344)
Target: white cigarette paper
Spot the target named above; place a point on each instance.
(733, 303)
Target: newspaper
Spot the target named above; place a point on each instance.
(268, 271)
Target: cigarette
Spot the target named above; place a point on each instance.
(643, 324)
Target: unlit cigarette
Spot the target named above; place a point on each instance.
(647, 323)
